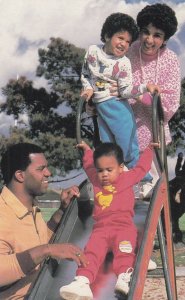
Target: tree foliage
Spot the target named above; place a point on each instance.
(48, 125)
(61, 64)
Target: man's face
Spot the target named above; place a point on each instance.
(36, 175)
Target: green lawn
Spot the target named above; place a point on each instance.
(182, 223)
(47, 213)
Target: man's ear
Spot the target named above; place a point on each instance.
(19, 175)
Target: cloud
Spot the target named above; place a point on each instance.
(27, 25)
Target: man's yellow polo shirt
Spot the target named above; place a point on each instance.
(20, 230)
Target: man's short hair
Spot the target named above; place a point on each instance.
(17, 157)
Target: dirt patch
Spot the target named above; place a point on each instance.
(155, 289)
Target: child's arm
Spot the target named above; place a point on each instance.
(88, 163)
(146, 98)
(143, 165)
(126, 89)
(86, 78)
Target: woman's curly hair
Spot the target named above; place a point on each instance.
(159, 15)
(119, 22)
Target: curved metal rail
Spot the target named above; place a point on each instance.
(90, 129)
(159, 202)
(78, 120)
(166, 246)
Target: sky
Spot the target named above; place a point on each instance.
(26, 25)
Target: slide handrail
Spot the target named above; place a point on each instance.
(159, 204)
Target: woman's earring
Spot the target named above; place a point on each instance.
(163, 45)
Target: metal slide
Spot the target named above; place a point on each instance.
(76, 227)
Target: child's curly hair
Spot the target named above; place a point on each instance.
(119, 22)
(159, 15)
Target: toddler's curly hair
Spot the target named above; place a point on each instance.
(117, 22)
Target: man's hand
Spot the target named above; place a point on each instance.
(67, 195)
(58, 251)
(67, 251)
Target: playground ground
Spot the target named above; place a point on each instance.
(155, 288)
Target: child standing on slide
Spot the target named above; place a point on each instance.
(105, 64)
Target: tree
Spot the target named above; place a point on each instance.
(61, 65)
(47, 126)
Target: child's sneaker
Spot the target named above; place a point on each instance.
(79, 289)
(122, 284)
(146, 190)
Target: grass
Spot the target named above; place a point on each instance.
(47, 213)
(182, 223)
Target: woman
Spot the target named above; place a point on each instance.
(153, 62)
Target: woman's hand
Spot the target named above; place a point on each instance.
(153, 88)
(114, 89)
(155, 145)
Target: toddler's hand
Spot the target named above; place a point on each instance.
(87, 94)
(83, 146)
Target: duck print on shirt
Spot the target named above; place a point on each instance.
(105, 199)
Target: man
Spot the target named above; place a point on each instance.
(24, 235)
